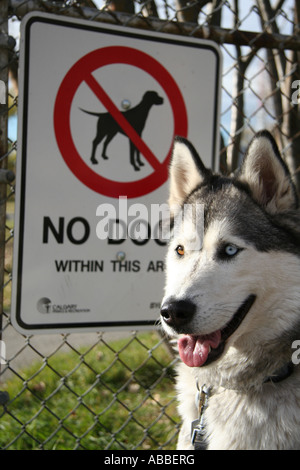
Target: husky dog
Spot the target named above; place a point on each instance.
(234, 303)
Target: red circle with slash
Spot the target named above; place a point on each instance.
(82, 71)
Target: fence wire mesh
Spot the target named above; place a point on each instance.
(114, 390)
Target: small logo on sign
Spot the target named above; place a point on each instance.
(44, 305)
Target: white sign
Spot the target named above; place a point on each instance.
(99, 109)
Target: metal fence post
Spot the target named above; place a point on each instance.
(3, 139)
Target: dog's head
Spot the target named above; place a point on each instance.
(152, 97)
(227, 260)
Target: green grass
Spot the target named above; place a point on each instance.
(112, 396)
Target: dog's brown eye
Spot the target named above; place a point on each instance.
(180, 250)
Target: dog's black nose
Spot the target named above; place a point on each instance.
(177, 313)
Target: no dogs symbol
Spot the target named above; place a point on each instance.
(130, 123)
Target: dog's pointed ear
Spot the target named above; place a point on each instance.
(267, 175)
(186, 171)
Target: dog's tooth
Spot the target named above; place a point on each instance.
(209, 349)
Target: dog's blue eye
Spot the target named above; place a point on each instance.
(228, 251)
(231, 250)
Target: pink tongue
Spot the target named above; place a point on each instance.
(194, 350)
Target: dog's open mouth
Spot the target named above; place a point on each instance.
(197, 351)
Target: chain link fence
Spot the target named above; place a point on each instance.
(113, 390)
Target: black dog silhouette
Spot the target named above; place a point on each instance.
(107, 127)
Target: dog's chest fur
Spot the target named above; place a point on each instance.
(265, 419)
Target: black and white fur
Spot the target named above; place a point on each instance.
(251, 249)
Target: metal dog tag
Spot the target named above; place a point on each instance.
(198, 435)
